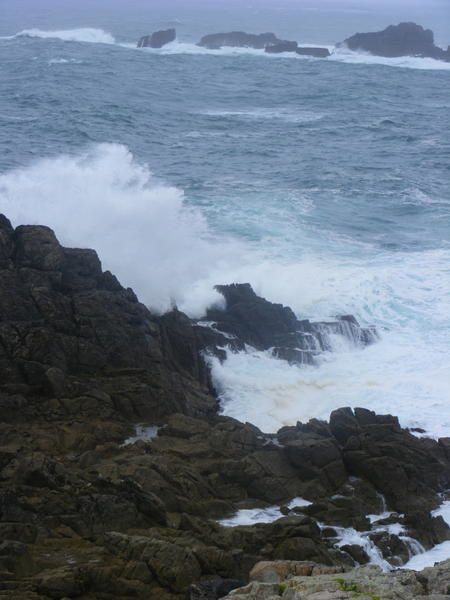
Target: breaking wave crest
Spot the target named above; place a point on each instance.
(141, 228)
(85, 34)
(145, 232)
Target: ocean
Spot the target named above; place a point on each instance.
(323, 183)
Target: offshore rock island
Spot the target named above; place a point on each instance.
(405, 39)
(119, 477)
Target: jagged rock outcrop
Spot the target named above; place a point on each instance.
(87, 510)
(405, 39)
(250, 319)
(239, 39)
(158, 39)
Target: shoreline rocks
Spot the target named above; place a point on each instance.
(84, 515)
(248, 319)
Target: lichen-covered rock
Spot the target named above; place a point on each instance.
(366, 583)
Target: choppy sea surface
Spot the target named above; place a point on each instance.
(324, 183)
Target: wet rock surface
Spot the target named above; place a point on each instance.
(158, 39)
(248, 319)
(83, 514)
(405, 39)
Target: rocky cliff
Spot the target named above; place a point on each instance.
(116, 470)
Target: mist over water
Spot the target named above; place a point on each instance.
(323, 183)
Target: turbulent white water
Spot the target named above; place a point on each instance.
(337, 54)
(104, 200)
(99, 36)
(85, 34)
(145, 233)
(252, 516)
(439, 552)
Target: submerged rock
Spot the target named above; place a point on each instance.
(157, 39)
(282, 47)
(313, 51)
(239, 39)
(405, 39)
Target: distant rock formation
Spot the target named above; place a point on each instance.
(263, 41)
(239, 39)
(405, 39)
(157, 39)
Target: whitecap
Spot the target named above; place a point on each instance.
(85, 34)
(407, 62)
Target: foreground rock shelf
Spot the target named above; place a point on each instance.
(303, 581)
(86, 512)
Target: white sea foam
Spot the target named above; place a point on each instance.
(257, 114)
(143, 433)
(337, 54)
(406, 62)
(144, 233)
(99, 36)
(351, 537)
(64, 61)
(253, 516)
(85, 34)
(406, 372)
(141, 228)
(438, 553)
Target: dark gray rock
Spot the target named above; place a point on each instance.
(158, 39)
(250, 319)
(405, 39)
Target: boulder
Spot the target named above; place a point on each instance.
(405, 39)
(158, 39)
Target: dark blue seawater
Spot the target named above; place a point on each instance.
(326, 183)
